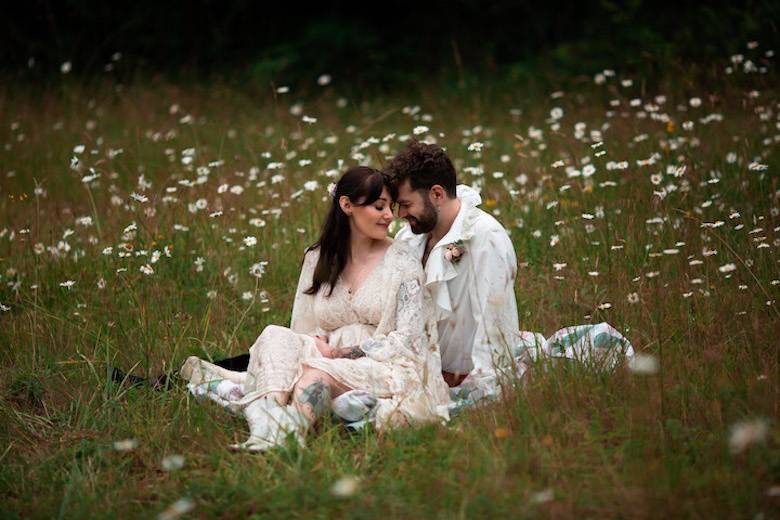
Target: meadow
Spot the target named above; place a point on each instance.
(144, 223)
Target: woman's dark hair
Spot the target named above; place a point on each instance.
(363, 186)
(423, 165)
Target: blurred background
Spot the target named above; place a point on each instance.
(370, 46)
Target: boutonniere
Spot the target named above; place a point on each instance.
(454, 251)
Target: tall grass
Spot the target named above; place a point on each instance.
(676, 248)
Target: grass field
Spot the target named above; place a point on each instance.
(145, 223)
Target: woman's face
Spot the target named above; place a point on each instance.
(373, 220)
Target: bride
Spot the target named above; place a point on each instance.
(361, 320)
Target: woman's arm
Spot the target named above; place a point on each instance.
(303, 320)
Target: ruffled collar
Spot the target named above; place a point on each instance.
(439, 270)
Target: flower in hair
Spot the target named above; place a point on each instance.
(332, 189)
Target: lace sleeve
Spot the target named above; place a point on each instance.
(303, 320)
(409, 332)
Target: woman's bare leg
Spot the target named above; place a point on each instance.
(313, 392)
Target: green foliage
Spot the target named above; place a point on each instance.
(567, 440)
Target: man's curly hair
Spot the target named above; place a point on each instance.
(423, 165)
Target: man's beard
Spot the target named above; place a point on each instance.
(425, 222)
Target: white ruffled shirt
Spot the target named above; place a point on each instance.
(474, 298)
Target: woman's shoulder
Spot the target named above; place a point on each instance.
(403, 256)
(310, 256)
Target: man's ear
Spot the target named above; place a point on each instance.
(437, 193)
(345, 204)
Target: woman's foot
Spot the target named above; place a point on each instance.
(269, 425)
(196, 371)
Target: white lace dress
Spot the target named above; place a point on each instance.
(389, 316)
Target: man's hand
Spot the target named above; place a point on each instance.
(323, 346)
(353, 352)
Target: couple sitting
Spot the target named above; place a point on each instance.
(398, 320)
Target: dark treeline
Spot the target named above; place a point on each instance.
(372, 44)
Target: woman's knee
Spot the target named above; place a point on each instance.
(311, 375)
(267, 335)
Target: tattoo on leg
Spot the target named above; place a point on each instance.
(316, 395)
(351, 352)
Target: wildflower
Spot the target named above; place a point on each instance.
(419, 130)
(283, 90)
(556, 113)
(727, 268)
(656, 179)
(247, 295)
(125, 445)
(475, 147)
(177, 509)
(324, 80)
(173, 462)
(310, 185)
(146, 269)
(745, 433)
(101, 284)
(199, 264)
(540, 497)
(604, 306)
(643, 364)
(67, 284)
(757, 167)
(258, 269)
(211, 294)
(309, 120)
(559, 266)
(695, 102)
(345, 487)
(632, 298)
(66, 67)
(250, 241)
(4, 308)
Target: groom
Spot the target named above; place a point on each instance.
(470, 265)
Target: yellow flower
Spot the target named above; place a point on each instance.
(502, 433)
(670, 126)
(490, 203)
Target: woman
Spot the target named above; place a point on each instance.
(361, 321)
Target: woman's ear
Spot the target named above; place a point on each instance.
(345, 204)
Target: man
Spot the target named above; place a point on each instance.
(470, 266)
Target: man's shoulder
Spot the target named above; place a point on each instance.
(484, 224)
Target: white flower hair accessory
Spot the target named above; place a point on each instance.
(332, 190)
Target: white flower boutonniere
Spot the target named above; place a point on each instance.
(454, 251)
